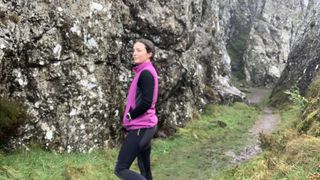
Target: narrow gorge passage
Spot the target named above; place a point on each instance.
(266, 123)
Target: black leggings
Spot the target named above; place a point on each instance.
(136, 144)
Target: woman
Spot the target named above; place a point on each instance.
(139, 117)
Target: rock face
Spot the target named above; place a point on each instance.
(269, 42)
(304, 58)
(69, 62)
(264, 34)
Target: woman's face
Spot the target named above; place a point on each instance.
(140, 54)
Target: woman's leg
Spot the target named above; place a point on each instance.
(144, 163)
(128, 152)
(145, 151)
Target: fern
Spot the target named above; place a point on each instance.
(296, 98)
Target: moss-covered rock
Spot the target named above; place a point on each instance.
(310, 123)
(12, 116)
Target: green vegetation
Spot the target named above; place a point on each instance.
(236, 48)
(12, 116)
(278, 96)
(289, 153)
(196, 151)
(296, 98)
(40, 164)
(310, 122)
(286, 155)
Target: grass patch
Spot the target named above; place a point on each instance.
(286, 155)
(198, 150)
(40, 164)
(194, 152)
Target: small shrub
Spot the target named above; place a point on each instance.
(296, 98)
(265, 141)
(276, 142)
(12, 116)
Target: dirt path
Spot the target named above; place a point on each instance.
(266, 122)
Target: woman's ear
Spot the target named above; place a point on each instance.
(150, 54)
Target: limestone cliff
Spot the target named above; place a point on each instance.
(263, 35)
(304, 58)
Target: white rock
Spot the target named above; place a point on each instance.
(95, 6)
(91, 43)
(87, 84)
(305, 3)
(2, 46)
(57, 51)
(76, 29)
(59, 9)
(36, 105)
(73, 112)
(123, 77)
(49, 135)
(273, 70)
(44, 126)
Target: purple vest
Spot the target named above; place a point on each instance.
(149, 118)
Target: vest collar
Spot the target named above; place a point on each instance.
(138, 67)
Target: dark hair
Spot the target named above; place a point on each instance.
(149, 46)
